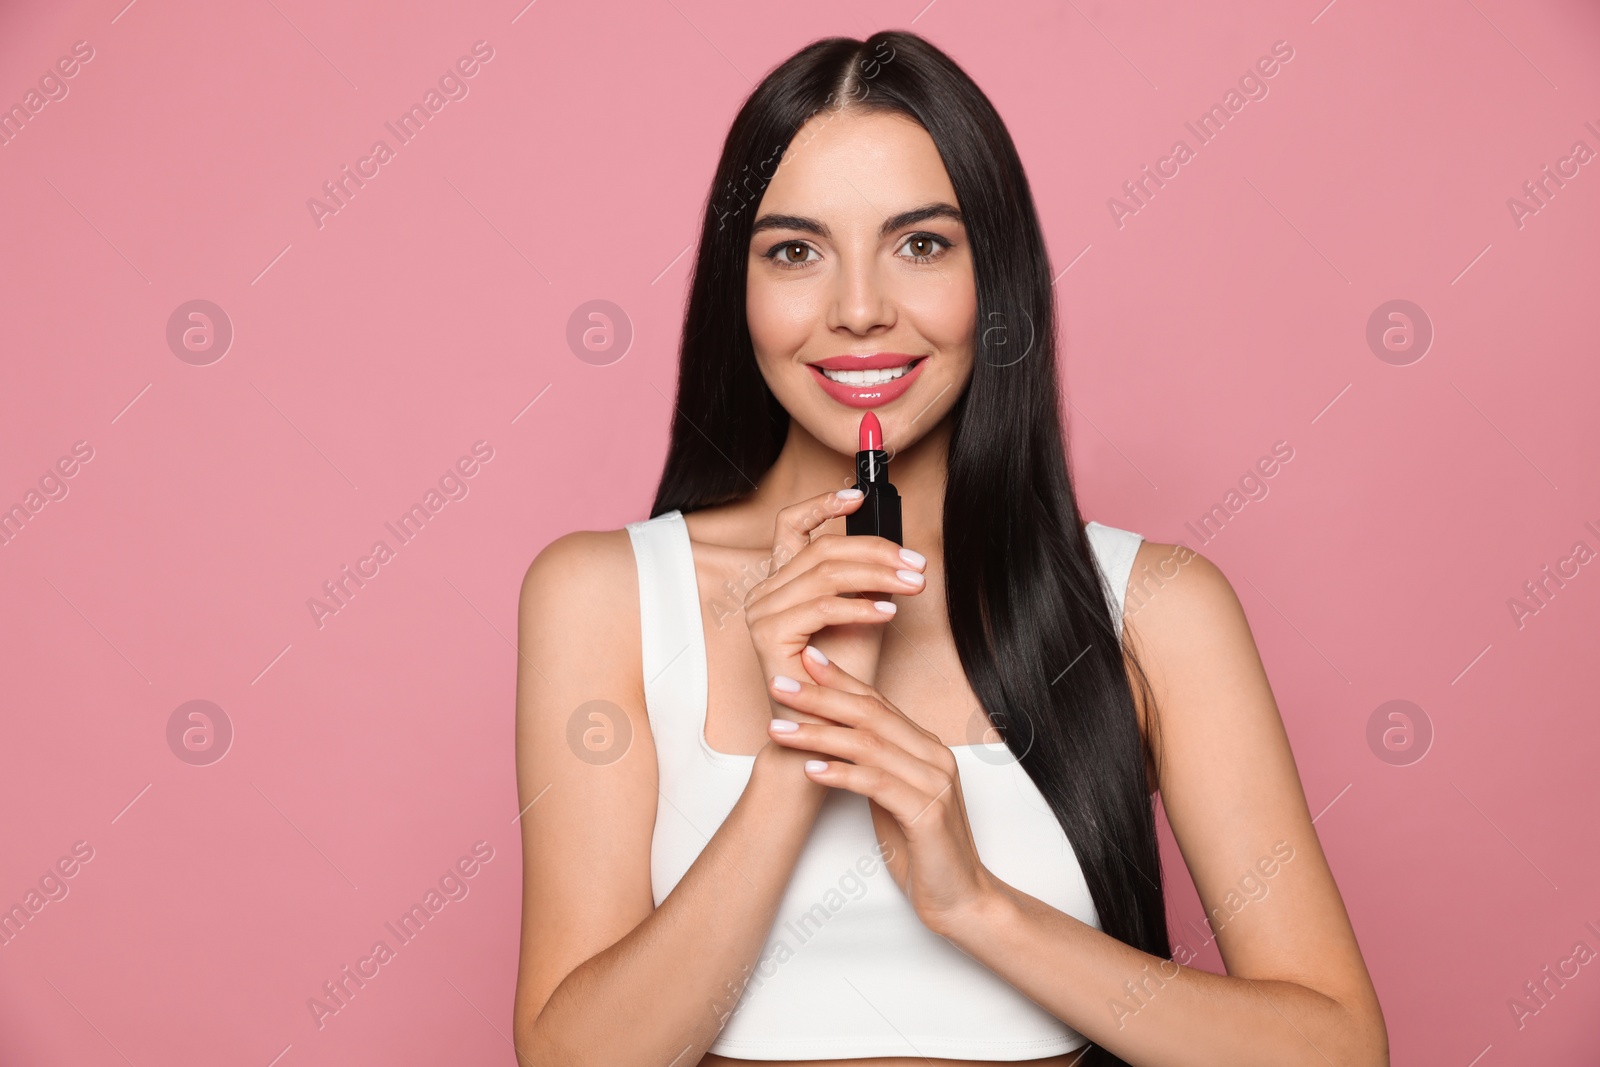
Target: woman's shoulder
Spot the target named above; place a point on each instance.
(1192, 589)
(588, 555)
(1137, 553)
(1174, 592)
(582, 587)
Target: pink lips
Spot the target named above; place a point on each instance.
(867, 396)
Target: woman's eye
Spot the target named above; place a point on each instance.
(925, 247)
(792, 255)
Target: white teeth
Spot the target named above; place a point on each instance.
(865, 377)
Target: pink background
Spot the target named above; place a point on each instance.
(371, 752)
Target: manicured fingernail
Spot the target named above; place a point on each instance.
(784, 726)
(885, 606)
(816, 655)
(816, 766)
(916, 559)
(785, 683)
(910, 577)
(848, 494)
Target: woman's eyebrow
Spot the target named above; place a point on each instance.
(890, 225)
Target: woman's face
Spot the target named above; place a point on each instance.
(859, 251)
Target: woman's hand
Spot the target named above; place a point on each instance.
(833, 583)
(910, 778)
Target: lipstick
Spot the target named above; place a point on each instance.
(879, 513)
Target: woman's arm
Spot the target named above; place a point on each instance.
(605, 977)
(1297, 990)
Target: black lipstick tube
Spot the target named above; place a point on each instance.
(879, 513)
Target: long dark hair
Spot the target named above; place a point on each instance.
(1027, 606)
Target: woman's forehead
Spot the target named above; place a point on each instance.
(847, 168)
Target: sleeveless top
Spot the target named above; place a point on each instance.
(848, 970)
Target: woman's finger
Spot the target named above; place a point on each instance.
(863, 709)
(833, 676)
(867, 548)
(914, 809)
(789, 631)
(792, 530)
(828, 549)
(864, 749)
(841, 577)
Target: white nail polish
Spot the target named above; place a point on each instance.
(848, 494)
(916, 559)
(785, 683)
(885, 606)
(909, 576)
(816, 655)
(784, 726)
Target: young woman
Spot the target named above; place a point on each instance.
(792, 794)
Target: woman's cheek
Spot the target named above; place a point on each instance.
(779, 328)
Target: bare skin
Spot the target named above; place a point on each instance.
(607, 977)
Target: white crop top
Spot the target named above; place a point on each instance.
(848, 970)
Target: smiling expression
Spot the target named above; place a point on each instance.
(860, 290)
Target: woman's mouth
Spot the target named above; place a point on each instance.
(867, 381)
(865, 377)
